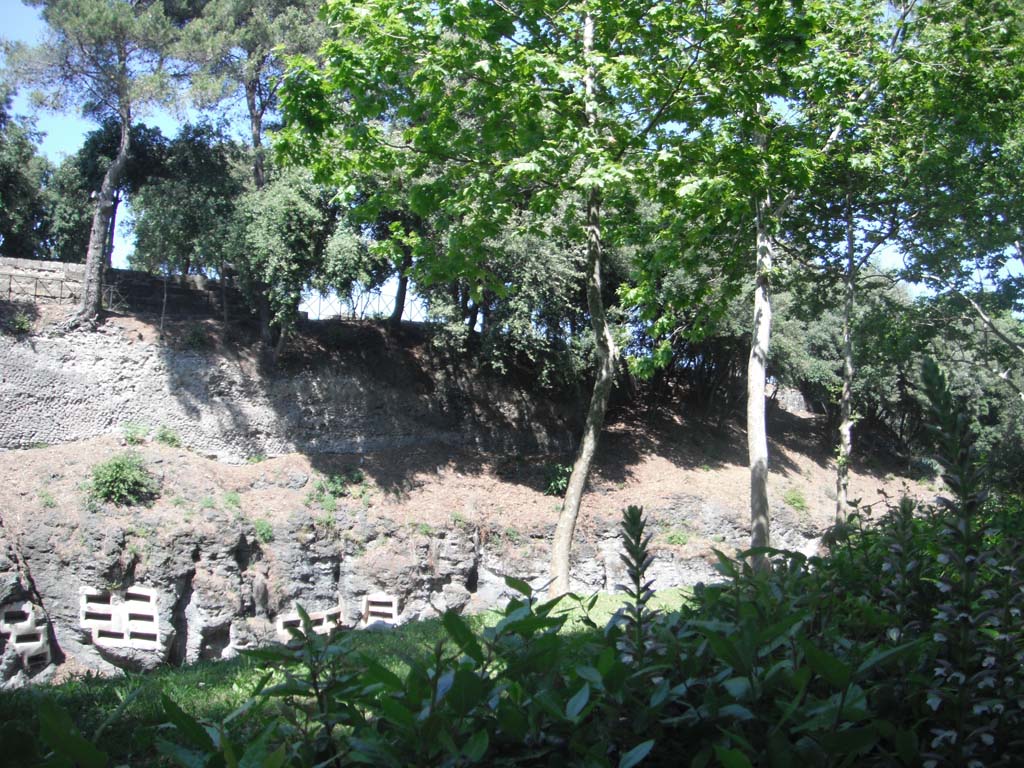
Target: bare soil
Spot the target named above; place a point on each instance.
(647, 458)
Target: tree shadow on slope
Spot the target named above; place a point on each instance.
(354, 394)
(689, 440)
(350, 393)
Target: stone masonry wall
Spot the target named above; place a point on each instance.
(59, 282)
(61, 388)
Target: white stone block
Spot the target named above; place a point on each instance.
(25, 628)
(322, 622)
(379, 608)
(131, 621)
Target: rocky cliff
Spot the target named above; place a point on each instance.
(383, 484)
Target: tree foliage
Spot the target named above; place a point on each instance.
(183, 218)
(25, 230)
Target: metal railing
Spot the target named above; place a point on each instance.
(118, 297)
(42, 290)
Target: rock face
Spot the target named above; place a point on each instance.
(86, 587)
(106, 592)
(369, 396)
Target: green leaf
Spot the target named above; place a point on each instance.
(190, 728)
(779, 629)
(463, 636)
(396, 713)
(512, 720)
(726, 565)
(738, 687)
(275, 759)
(881, 656)
(724, 649)
(636, 754)
(60, 734)
(466, 691)
(255, 755)
(732, 758)
(828, 666)
(576, 704)
(736, 711)
(660, 694)
(378, 673)
(591, 675)
(519, 586)
(476, 747)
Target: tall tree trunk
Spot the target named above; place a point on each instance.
(757, 437)
(403, 288)
(163, 304)
(846, 399)
(224, 293)
(108, 258)
(259, 178)
(265, 315)
(256, 131)
(92, 294)
(605, 352)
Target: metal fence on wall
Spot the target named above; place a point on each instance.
(43, 290)
(134, 293)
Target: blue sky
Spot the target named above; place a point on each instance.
(64, 132)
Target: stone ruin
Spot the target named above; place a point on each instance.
(132, 621)
(25, 629)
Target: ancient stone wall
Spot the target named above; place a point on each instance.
(56, 282)
(73, 590)
(61, 388)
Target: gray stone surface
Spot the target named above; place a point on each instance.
(62, 388)
(218, 590)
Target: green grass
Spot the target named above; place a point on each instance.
(264, 530)
(167, 436)
(212, 689)
(677, 537)
(134, 434)
(794, 497)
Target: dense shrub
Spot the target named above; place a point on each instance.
(123, 480)
(818, 663)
